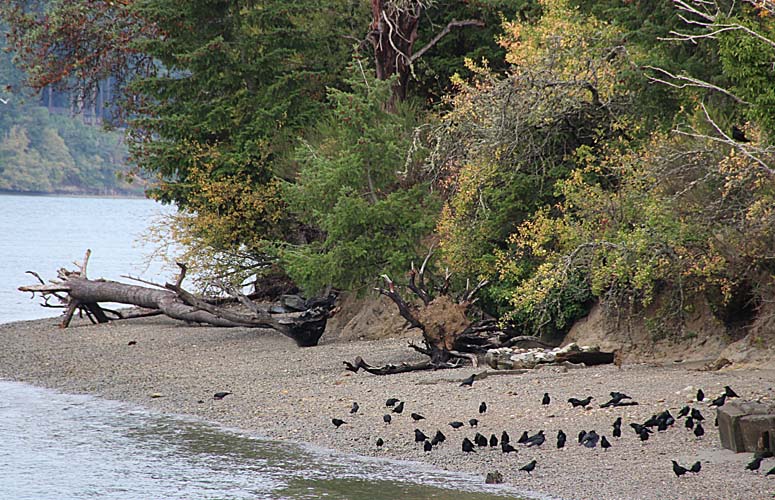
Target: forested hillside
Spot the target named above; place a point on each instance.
(571, 152)
(48, 149)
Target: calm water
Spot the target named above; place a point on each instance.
(45, 233)
(60, 446)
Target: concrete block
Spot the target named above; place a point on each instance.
(747, 426)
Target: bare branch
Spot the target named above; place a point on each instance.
(690, 82)
(447, 29)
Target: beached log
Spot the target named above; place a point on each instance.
(449, 336)
(79, 293)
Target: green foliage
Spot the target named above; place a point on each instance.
(356, 186)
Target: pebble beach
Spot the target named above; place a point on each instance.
(286, 393)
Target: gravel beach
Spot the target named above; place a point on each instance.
(287, 393)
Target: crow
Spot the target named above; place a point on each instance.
(561, 437)
(546, 400)
(619, 395)
(391, 402)
(483, 407)
(739, 135)
(355, 408)
(493, 440)
(719, 401)
(696, 415)
(505, 438)
(480, 440)
(427, 446)
(696, 467)
(523, 438)
(473, 422)
(417, 417)
(220, 395)
(468, 446)
(419, 436)
(684, 411)
(679, 470)
(399, 408)
(640, 429)
(698, 430)
(729, 392)
(582, 433)
(652, 421)
(616, 400)
(689, 424)
(469, 381)
(456, 424)
(700, 395)
(604, 443)
(580, 402)
(770, 472)
(507, 448)
(438, 438)
(536, 440)
(380, 442)
(644, 434)
(387, 418)
(590, 439)
(618, 427)
(337, 422)
(754, 464)
(529, 467)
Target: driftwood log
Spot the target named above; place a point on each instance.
(78, 293)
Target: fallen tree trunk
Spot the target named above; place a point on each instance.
(78, 292)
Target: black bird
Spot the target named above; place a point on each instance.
(387, 418)
(684, 411)
(679, 470)
(507, 448)
(529, 467)
(469, 381)
(438, 438)
(505, 438)
(427, 446)
(618, 427)
(473, 422)
(616, 400)
(399, 408)
(456, 424)
(546, 400)
(696, 415)
(754, 464)
(590, 439)
(580, 402)
(582, 433)
(391, 402)
(696, 467)
(419, 436)
(719, 401)
(739, 135)
(698, 430)
(689, 424)
(380, 442)
(337, 422)
(652, 421)
(536, 440)
(493, 441)
(417, 417)
(355, 408)
(483, 407)
(604, 443)
(644, 434)
(480, 440)
(220, 395)
(700, 395)
(770, 472)
(523, 438)
(661, 425)
(468, 446)
(640, 429)
(619, 395)
(729, 392)
(561, 437)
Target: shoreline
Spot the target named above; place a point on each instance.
(283, 392)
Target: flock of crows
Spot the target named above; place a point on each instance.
(693, 419)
